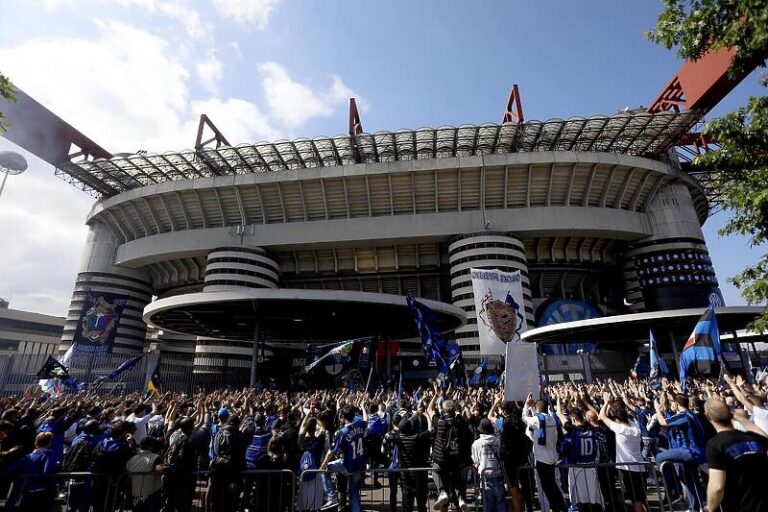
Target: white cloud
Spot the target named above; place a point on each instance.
(294, 103)
(44, 218)
(209, 71)
(127, 90)
(177, 10)
(247, 12)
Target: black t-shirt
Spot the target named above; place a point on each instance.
(743, 457)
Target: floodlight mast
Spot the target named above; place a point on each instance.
(11, 163)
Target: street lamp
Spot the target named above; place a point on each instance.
(11, 163)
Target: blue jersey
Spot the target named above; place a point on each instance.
(256, 456)
(349, 443)
(58, 429)
(580, 446)
(685, 431)
(379, 424)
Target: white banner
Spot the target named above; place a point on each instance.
(521, 373)
(499, 308)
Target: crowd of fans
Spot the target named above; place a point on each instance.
(572, 447)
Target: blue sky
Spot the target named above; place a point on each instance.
(136, 74)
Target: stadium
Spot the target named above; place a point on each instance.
(579, 206)
(239, 253)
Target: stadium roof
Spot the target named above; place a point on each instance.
(635, 326)
(637, 134)
(285, 314)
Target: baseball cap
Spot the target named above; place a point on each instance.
(223, 413)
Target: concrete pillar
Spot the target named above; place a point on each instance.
(483, 250)
(99, 275)
(670, 269)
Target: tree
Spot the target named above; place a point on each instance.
(8, 93)
(739, 163)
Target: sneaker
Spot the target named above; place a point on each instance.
(463, 505)
(442, 500)
(331, 503)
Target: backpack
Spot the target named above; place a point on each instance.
(515, 445)
(223, 445)
(175, 454)
(453, 441)
(307, 462)
(78, 458)
(257, 453)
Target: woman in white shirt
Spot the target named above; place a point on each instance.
(629, 451)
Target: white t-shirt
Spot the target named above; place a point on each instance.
(546, 453)
(760, 417)
(141, 426)
(629, 446)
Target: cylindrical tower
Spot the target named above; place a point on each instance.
(240, 267)
(100, 277)
(231, 268)
(670, 269)
(483, 250)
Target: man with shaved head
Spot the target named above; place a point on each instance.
(738, 463)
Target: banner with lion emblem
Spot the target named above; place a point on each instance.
(499, 307)
(99, 318)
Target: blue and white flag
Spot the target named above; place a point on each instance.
(340, 354)
(128, 365)
(433, 342)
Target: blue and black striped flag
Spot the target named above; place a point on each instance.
(434, 343)
(702, 350)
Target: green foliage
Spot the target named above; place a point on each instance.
(740, 168)
(8, 93)
(697, 26)
(740, 164)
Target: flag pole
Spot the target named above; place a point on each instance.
(674, 351)
(368, 382)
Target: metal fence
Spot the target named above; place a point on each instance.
(608, 487)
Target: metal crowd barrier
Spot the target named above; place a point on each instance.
(679, 480)
(58, 491)
(611, 487)
(384, 490)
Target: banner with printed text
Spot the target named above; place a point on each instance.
(499, 307)
(99, 318)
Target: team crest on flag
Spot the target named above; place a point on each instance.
(499, 306)
(501, 317)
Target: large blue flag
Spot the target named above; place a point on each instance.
(433, 342)
(128, 365)
(659, 367)
(702, 348)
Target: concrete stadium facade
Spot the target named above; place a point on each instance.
(579, 223)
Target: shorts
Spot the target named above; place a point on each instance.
(511, 476)
(634, 485)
